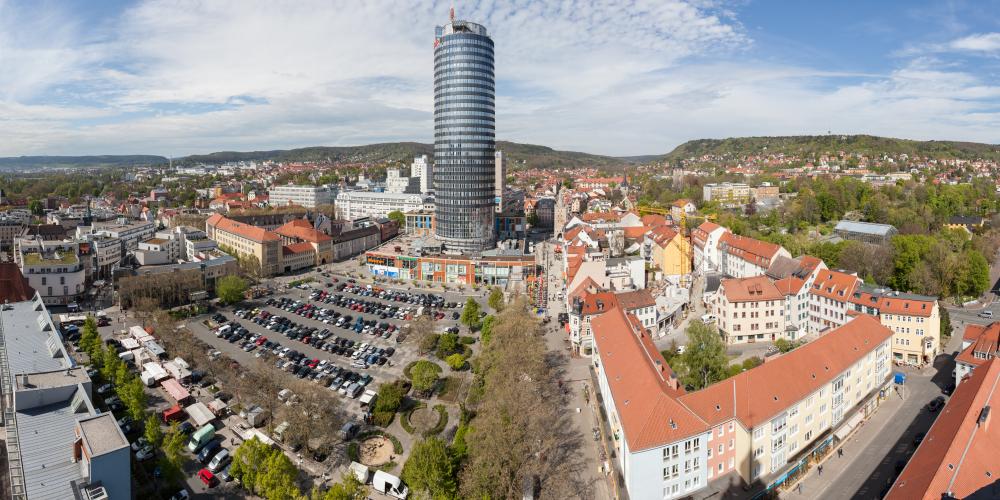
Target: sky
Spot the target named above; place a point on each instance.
(616, 77)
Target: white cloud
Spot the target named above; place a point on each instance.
(609, 77)
(984, 42)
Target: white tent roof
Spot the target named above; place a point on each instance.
(200, 414)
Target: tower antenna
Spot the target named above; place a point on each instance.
(451, 14)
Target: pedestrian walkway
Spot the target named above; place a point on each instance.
(815, 485)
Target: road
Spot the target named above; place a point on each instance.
(871, 454)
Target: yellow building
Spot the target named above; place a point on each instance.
(671, 252)
(247, 241)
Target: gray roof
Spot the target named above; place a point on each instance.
(865, 227)
(46, 437)
(30, 338)
(102, 434)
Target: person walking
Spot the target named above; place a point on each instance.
(840, 452)
(820, 470)
(798, 488)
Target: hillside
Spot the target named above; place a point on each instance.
(54, 162)
(808, 145)
(518, 155)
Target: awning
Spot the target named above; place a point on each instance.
(129, 343)
(848, 426)
(200, 414)
(154, 349)
(217, 406)
(174, 389)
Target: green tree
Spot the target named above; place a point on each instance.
(430, 469)
(455, 361)
(36, 208)
(133, 396)
(470, 314)
(399, 217)
(704, 357)
(152, 431)
(783, 345)
(486, 329)
(447, 344)
(390, 397)
(348, 489)
(278, 481)
(425, 375)
(496, 300)
(230, 289)
(533, 219)
(973, 277)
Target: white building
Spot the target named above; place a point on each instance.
(53, 268)
(422, 169)
(306, 196)
(499, 179)
(352, 205)
(705, 240)
(130, 233)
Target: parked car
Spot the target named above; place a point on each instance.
(207, 477)
(145, 453)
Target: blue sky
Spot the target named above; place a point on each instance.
(613, 77)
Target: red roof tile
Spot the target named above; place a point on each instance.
(14, 286)
(636, 299)
(790, 285)
(258, 234)
(302, 230)
(906, 307)
(753, 289)
(835, 285)
(749, 249)
(303, 247)
(959, 454)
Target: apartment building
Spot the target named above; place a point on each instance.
(58, 444)
(914, 319)
(584, 306)
(53, 268)
(11, 227)
(306, 196)
(727, 194)
(352, 205)
(247, 242)
(980, 344)
(301, 231)
(957, 457)
(749, 310)
(129, 233)
(759, 423)
(705, 242)
(671, 253)
(641, 304)
(742, 257)
(830, 300)
(422, 169)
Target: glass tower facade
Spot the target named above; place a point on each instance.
(464, 136)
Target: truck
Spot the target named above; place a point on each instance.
(368, 398)
(390, 485)
(174, 413)
(200, 438)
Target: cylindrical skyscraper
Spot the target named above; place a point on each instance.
(464, 136)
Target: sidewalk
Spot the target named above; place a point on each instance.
(857, 446)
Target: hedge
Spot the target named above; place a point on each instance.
(442, 421)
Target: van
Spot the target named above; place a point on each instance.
(222, 330)
(220, 460)
(127, 356)
(986, 314)
(174, 413)
(348, 430)
(200, 438)
(388, 484)
(707, 319)
(354, 390)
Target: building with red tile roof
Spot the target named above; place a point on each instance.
(958, 456)
(763, 418)
(979, 345)
(742, 257)
(705, 246)
(14, 286)
(301, 231)
(749, 310)
(830, 299)
(247, 241)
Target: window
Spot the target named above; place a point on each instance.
(793, 429)
(758, 452)
(674, 451)
(758, 433)
(732, 444)
(731, 427)
(687, 466)
(720, 465)
(732, 462)
(721, 448)
(709, 450)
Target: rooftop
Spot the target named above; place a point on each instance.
(750, 289)
(254, 233)
(46, 438)
(30, 336)
(958, 455)
(102, 434)
(56, 378)
(864, 227)
(48, 259)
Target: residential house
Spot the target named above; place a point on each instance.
(749, 310)
(705, 242)
(743, 257)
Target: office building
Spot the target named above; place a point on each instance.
(247, 242)
(59, 445)
(306, 196)
(421, 168)
(727, 194)
(464, 136)
(499, 180)
(53, 268)
(397, 183)
(352, 205)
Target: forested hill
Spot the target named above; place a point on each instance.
(518, 155)
(812, 145)
(53, 162)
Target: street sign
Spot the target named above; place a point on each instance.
(899, 378)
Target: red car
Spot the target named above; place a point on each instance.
(261, 340)
(313, 363)
(207, 477)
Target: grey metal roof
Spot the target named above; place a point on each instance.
(29, 335)
(46, 434)
(864, 227)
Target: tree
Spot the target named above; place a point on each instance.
(133, 396)
(447, 344)
(945, 322)
(399, 217)
(455, 361)
(264, 470)
(230, 289)
(783, 345)
(533, 219)
(486, 329)
(152, 431)
(425, 375)
(36, 208)
(470, 314)
(973, 276)
(496, 300)
(430, 469)
(704, 357)
(349, 489)
(422, 329)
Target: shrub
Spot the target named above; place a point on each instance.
(456, 361)
(467, 340)
(352, 451)
(383, 418)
